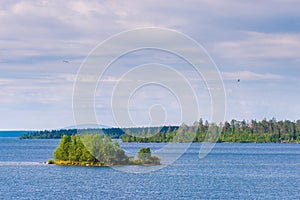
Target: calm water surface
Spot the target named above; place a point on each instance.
(230, 171)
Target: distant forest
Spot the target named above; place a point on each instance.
(114, 133)
(233, 131)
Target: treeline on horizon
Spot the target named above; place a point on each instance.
(114, 133)
(233, 131)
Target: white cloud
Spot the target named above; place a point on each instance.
(261, 46)
(19, 91)
(248, 75)
(36, 35)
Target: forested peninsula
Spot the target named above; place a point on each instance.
(265, 131)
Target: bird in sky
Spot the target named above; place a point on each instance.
(239, 80)
(65, 61)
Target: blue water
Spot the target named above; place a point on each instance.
(12, 133)
(230, 171)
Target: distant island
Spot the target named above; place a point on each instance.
(97, 150)
(265, 131)
(114, 133)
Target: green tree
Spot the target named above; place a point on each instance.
(62, 151)
(144, 154)
(120, 157)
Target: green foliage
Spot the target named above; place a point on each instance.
(51, 161)
(144, 154)
(114, 133)
(235, 131)
(91, 149)
(57, 134)
(145, 157)
(62, 152)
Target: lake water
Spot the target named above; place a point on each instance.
(230, 171)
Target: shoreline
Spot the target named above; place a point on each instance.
(92, 164)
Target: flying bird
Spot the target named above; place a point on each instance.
(239, 80)
(65, 61)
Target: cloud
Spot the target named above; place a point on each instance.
(261, 46)
(248, 75)
(36, 36)
(18, 91)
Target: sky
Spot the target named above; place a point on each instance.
(44, 43)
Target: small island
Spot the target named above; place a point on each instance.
(97, 150)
